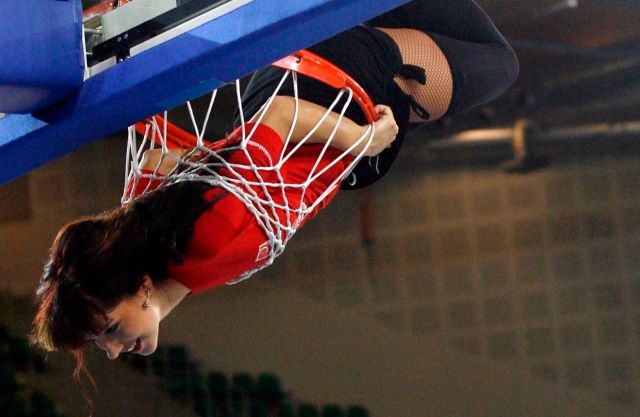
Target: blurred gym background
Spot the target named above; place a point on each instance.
(494, 272)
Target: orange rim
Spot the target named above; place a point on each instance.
(316, 67)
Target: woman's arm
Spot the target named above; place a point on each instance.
(153, 160)
(279, 118)
(280, 115)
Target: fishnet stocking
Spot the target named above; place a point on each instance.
(417, 48)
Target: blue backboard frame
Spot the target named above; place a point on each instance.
(215, 53)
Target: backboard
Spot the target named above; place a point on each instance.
(144, 56)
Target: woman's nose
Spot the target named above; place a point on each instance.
(113, 349)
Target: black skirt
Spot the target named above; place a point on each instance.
(372, 59)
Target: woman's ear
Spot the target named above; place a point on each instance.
(147, 283)
(146, 289)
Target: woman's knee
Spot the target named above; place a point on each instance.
(481, 72)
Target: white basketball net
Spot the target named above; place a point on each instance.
(278, 221)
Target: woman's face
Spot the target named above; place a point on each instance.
(132, 328)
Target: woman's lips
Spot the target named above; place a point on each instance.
(138, 347)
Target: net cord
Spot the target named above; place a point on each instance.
(278, 229)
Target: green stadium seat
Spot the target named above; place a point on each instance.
(332, 410)
(218, 386)
(201, 401)
(159, 362)
(308, 410)
(269, 389)
(177, 384)
(139, 363)
(8, 383)
(178, 358)
(4, 334)
(245, 383)
(243, 393)
(219, 394)
(12, 405)
(5, 351)
(258, 409)
(20, 353)
(357, 411)
(38, 362)
(285, 410)
(41, 405)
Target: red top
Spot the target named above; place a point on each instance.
(227, 240)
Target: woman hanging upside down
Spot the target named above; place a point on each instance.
(112, 278)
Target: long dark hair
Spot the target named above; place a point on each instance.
(96, 262)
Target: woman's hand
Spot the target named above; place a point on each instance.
(386, 130)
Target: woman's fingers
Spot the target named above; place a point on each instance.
(383, 110)
(385, 132)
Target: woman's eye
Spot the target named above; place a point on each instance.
(111, 330)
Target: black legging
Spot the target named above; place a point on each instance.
(482, 63)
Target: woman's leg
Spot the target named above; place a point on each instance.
(481, 63)
(420, 50)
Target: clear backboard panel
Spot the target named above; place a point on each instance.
(116, 29)
(145, 56)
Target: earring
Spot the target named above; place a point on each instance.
(147, 302)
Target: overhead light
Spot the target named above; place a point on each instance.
(483, 135)
(563, 5)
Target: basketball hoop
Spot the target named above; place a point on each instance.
(265, 194)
